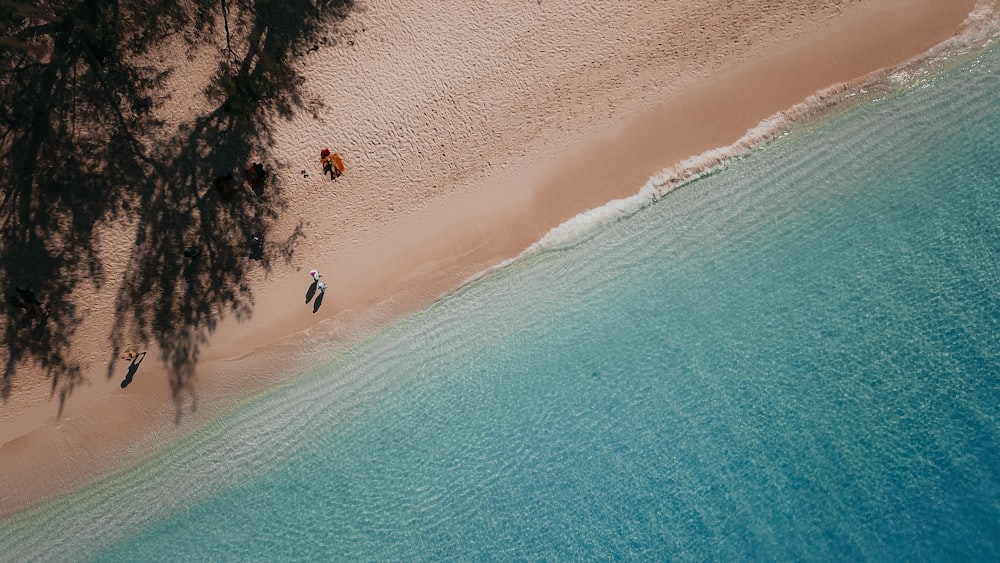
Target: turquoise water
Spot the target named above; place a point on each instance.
(794, 358)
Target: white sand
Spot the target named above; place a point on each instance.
(468, 132)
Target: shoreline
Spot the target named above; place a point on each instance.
(412, 261)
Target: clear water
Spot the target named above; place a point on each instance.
(795, 358)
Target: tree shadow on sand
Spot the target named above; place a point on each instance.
(81, 148)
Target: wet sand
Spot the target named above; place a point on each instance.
(468, 133)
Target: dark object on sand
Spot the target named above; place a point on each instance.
(256, 247)
(133, 367)
(25, 299)
(331, 163)
(226, 185)
(258, 170)
(255, 176)
(192, 252)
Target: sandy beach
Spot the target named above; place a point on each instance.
(468, 132)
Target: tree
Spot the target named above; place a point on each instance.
(81, 147)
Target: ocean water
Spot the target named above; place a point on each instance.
(796, 357)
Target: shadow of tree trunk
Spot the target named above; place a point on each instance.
(81, 148)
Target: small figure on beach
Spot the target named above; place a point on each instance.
(331, 163)
(256, 172)
(134, 361)
(192, 252)
(256, 247)
(319, 296)
(315, 275)
(129, 355)
(255, 176)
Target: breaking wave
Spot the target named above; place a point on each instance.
(980, 28)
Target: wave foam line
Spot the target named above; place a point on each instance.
(980, 28)
(588, 223)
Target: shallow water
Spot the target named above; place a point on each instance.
(794, 358)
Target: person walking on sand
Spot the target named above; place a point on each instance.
(321, 287)
(315, 275)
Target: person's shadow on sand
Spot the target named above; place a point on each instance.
(311, 291)
(318, 301)
(132, 368)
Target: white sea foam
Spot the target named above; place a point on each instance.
(588, 223)
(980, 28)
